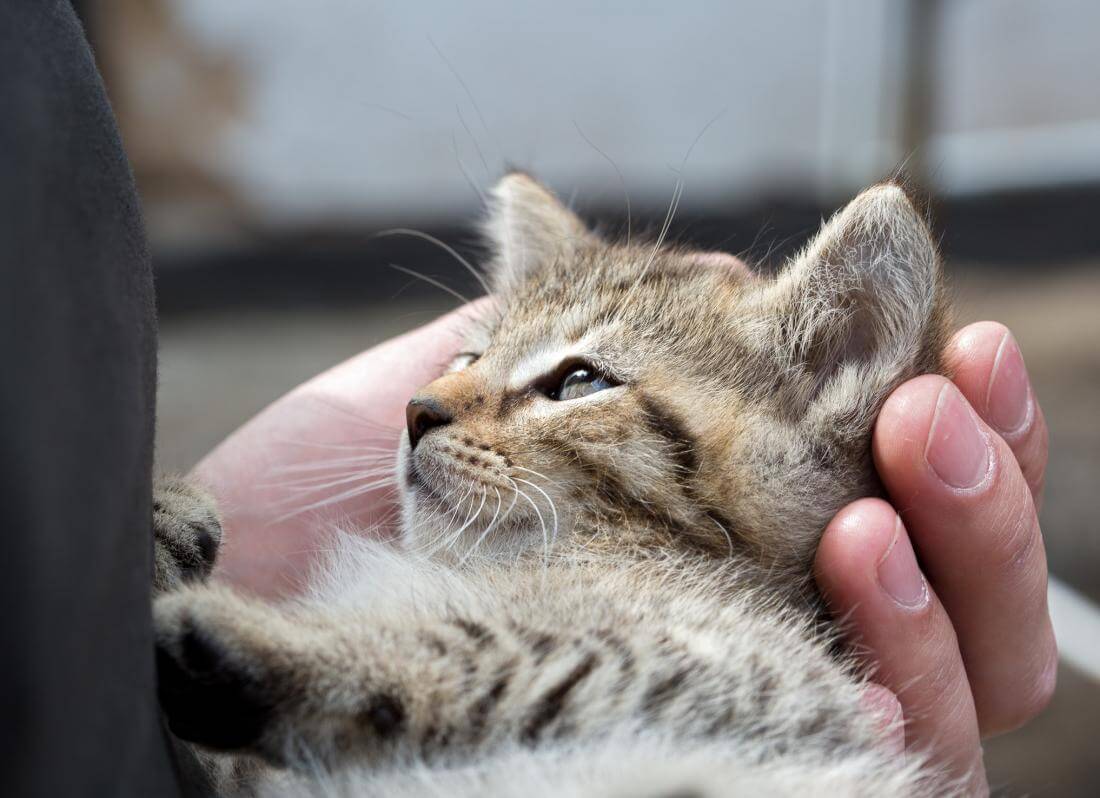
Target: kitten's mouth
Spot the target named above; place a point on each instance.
(419, 484)
(438, 473)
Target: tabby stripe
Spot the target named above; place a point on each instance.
(625, 655)
(552, 703)
(479, 712)
(663, 691)
(475, 631)
(668, 425)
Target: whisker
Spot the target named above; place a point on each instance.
(320, 465)
(729, 540)
(484, 534)
(473, 516)
(618, 171)
(477, 146)
(466, 172)
(339, 497)
(543, 476)
(677, 193)
(362, 420)
(430, 281)
(542, 522)
(549, 501)
(432, 546)
(349, 446)
(465, 88)
(405, 231)
(321, 482)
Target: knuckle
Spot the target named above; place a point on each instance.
(1035, 695)
(1013, 545)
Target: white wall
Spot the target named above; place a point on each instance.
(354, 111)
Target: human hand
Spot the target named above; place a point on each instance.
(321, 450)
(960, 633)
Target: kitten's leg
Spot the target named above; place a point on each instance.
(186, 533)
(238, 674)
(242, 675)
(186, 537)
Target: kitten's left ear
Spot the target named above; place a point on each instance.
(862, 308)
(528, 228)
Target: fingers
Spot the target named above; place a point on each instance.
(868, 573)
(988, 368)
(970, 513)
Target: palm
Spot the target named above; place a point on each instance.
(319, 456)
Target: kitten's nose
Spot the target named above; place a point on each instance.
(422, 414)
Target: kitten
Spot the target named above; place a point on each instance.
(610, 506)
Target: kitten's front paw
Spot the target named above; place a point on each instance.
(213, 689)
(186, 533)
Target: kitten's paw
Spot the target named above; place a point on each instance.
(186, 531)
(214, 687)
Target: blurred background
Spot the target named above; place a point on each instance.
(271, 139)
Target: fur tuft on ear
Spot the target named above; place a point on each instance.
(529, 228)
(862, 307)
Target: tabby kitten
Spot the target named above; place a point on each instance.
(610, 506)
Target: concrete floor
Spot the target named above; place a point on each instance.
(218, 369)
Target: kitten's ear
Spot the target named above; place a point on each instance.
(862, 307)
(528, 227)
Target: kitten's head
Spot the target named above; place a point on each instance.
(632, 395)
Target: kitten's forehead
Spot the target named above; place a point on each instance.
(604, 307)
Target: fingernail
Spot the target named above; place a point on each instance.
(1008, 401)
(957, 450)
(898, 572)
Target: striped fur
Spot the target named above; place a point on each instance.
(607, 595)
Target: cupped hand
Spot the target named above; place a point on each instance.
(944, 587)
(321, 454)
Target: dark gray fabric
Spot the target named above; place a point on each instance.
(78, 713)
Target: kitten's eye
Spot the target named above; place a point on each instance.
(579, 382)
(463, 360)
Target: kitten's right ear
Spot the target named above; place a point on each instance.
(528, 228)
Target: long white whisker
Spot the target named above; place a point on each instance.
(549, 501)
(428, 545)
(339, 497)
(473, 516)
(320, 465)
(349, 446)
(446, 518)
(542, 522)
(316, 478)
(322, 481)
(484, 534)
(540, 475)
(677, 193)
